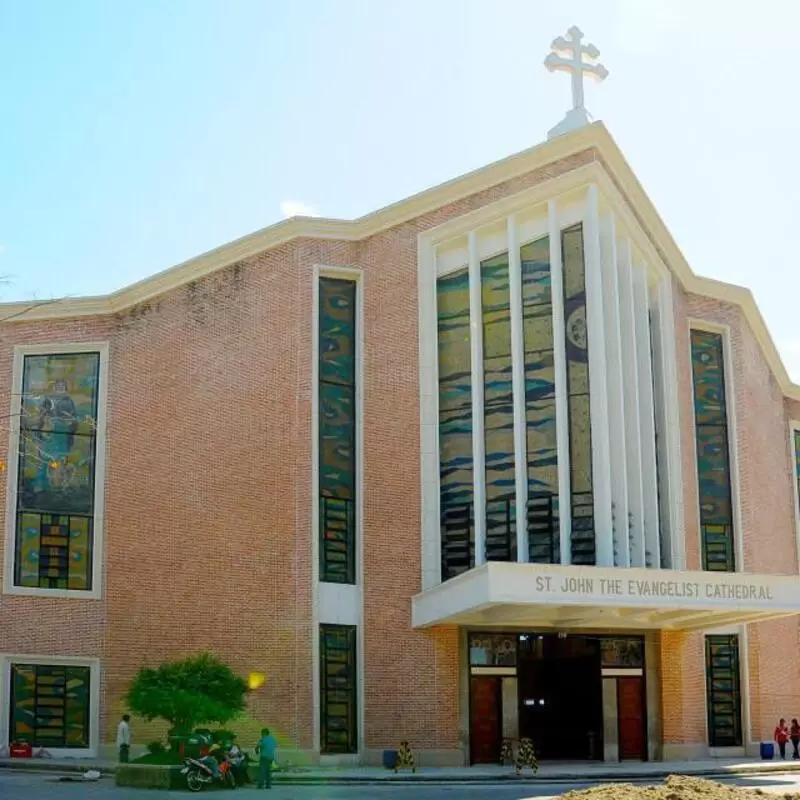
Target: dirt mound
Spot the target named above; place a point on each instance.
(676, 787)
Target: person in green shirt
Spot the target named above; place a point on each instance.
(266, 748)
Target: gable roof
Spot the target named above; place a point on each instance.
(592, 136)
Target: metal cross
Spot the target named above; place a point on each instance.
(574, 63)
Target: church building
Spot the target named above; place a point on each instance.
(491, 463)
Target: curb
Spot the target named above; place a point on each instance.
(43, 765)
(310, 779)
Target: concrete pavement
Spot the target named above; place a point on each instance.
(38, 786)
(549, 772)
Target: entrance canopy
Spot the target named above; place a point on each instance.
(548, 595)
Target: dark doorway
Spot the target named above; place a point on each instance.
(485, 720)
(561, 696)
(630, 715)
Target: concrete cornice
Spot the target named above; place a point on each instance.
(594, 136)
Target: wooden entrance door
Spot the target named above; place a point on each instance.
(485, 720)
(630, 716)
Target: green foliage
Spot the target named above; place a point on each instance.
(164, 759)
(150, 776)
(198, 689)
(155, 748)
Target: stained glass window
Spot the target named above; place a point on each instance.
(723, 693)
(493, 649)
(56, 474)
(338, 689)
(580, 431)
(540, 404)
(455, 425)
(713, 461)
(498, 411)
(627, 652)
(337, 430)
(50, 705)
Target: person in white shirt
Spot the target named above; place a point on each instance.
(124, 739)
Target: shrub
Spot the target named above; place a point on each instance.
(222, 736)
(199, 689)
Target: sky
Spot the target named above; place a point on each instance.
(137, 134)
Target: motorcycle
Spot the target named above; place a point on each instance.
(199, 774)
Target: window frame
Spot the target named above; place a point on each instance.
(353, 566)
(12, 473)
(7, 659)
(740, 690)
(352, 633)
(794, 430)
(724, 332)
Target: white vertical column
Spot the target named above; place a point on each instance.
(614, 379)
(659, 390)
(429, 416)
(518, 383)
(671, 473)
(652, 535)
(478, 441)
(560, 373)
(598, 397)
(632, 434)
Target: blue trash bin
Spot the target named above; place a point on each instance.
(390, 759)
(767, 751)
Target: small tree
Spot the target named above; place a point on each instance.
(199, 689)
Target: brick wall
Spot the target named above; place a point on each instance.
(208, 489)
(758, 420)
(208, 495)
(412, 677)
(44, 625)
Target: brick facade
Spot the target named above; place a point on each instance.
(208, 497)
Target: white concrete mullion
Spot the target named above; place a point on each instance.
(478, 440)
(560, 372)
(518, 383)
(672, 426)
(659, 391)
(632, 434)
(431, 560)
(667, 427)
(598, 398)
(616, 413)
(652, 535)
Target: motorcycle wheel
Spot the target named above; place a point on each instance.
(194, 781)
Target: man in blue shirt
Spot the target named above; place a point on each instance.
(267, 747)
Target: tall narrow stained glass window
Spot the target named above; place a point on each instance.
(337, 430)
(540, 404)
(580, 430)
(501, 543)
(338, 689)
(723, 692)
(713, 459)
(50, 705)
(55, 501)
(455, 425)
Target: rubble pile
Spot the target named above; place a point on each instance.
(675, 787)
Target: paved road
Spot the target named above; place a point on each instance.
(45, 787)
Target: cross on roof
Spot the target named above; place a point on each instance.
(568, 56)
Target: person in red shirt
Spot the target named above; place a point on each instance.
(782, 736)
